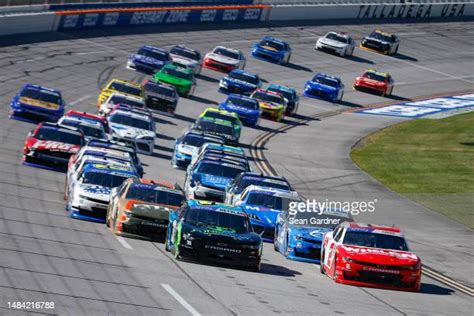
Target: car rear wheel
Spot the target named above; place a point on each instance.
(288, 59)
(257, 267)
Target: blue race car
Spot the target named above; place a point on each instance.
(324, 86)
(272, 49)
(208, 178)
(289, 94)
(189, 144)
(240, 82)
(149, 59)
(246, 108)
(299, 237)
(35, 103)
(263, 204)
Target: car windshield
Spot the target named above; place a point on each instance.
(119, 99)
(268, 201)
(103, 179)
(131, 121)
(198, 141)
(42, 95)
(232, 222)
(287, 94)
(244, 77)
(153, 54)
(227, 53)
(214, 169)
(213, 127)
(175, 72)
(269, 183)
(374, 76)
(326, 81)
(336, 37)
(225, 117)
(154, 195)
(272, 44)
(374, 240)
(180, 51)
(381, 36)
(159, 89)
(88, 130)
(323, 220)
(61, 136)
(128, 89)
(273, 98)
(248, 104)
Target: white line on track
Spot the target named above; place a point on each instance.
(90, 53)
(124, 242)
(83, 98)
(181, 300)
(96, 44)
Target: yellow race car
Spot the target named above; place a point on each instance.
(272, 103)
(119, 86)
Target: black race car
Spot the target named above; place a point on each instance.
(382, 42)
(160, 97)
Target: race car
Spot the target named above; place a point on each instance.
(213, 146)
(36, 103)
(240, 82)
(335, 42)
(292, 98)
(140, 208)
(208, 178)
(189, 144)
(148, 59)
(246, 108)
(233, 118)
(215, 232)
(324, 86)
(89, 190)
(186, 57)
(375, 81)
(272, 49)
(370, 255)
(160, 97)
(119, 86)
(182, 78)
(272, 104)
(120, 99)
(224, 59)
(51, 145)
(263, 204)
(226, 157)
(90, 117)
(382, 42)
(90, 129)
(299, 236)
(134, 128)
(218, 127)
(245, 179)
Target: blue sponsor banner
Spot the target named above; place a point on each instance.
(87, 6)
(113, 19)
(423, 108)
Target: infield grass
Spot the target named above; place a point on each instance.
(429, 161)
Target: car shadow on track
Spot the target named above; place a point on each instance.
(207, 78)
(184, 118)
(359, 59)
(165, 137)
(428, 288)
(250, 146)
(272, 269)
(398, 98)
(349, 104)
(297, 67)
(404, 57)
(202, 100)
(161, 156)
(159, 120)
(164, 148)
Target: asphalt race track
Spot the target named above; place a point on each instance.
(84, 269)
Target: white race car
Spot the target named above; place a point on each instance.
(338, 43)
(90, 129)
(224, 59)
(186, 57)
(118, 98)
(133, 128)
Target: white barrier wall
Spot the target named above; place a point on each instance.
(370, 12)
(27, 23)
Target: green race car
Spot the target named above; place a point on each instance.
(181, 78)
(225, 116)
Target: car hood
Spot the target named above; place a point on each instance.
(95, 191)
(215, 181)
(38, 103)
(130, 132)
(240, 109)
(223, 59)
(241, 83)
(269, 105)
(147, 60)
(311, 233)
(376, 40)
(188, 62)
(379, 256)
(319, 86)
(267, 49)
(150, 210)
(55, 146)
(371, 81)
(222, 234)
(333, 43)
(173, 80)
(188, 150)
(262, 215)
(159, 96)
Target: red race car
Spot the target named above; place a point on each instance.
(374, 81)
(369, 255)
(90, 117)
(51, 145)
